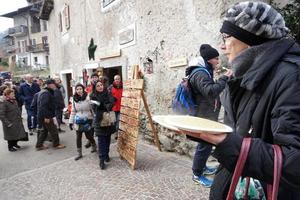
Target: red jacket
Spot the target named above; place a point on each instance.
(117, 94)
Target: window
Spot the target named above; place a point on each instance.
(106, 2)
(45, 27)
(45, 40)
(67, 16)
(23, 46)
(60, 22)
(47, 60)
(64, 19)
(35, 59)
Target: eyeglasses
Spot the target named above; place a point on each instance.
(224, 37)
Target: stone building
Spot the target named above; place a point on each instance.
(28, 45)
(159, 36)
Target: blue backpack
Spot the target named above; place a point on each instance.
(183, 103)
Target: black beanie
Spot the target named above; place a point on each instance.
(208, 52)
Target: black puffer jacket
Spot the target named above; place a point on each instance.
(263, 98)
(206, 92)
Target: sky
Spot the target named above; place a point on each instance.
(7, 6)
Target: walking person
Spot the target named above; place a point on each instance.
(116, 90)
(105, 104)
(59, 107)
(10, 116)
(27, 91)
(45, 114)
(206, 92)
(261, 100)
(89, 89)
(81, 119)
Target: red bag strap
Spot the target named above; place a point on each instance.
(239, 167)
(273, 189)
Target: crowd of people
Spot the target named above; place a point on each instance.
(260, 96)
(44, 104)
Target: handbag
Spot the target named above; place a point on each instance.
(80, 120)
(272, 190)
(108, 119)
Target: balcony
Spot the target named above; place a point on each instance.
(35, 28)
(18, 31)
(11, 49)
(38, 48)
(46, 9)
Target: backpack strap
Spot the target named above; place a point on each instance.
(194, 71)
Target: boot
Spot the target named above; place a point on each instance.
(102, 164)
(79, 156)
(88, 144)
(94, 148)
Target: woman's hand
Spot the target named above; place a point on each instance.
(210, 137)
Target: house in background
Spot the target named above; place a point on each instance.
(29, 46)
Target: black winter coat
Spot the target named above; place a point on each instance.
(106, 101)
(45, 105)
(263, 102)
(59, 99)
(206, 92)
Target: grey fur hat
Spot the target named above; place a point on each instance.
(254, 23)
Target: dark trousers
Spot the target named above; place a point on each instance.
(202, 153)
(58, 115)
(31, 119)
(103, 145)
(51, 129)
(88, 135)
(12, 143)
(117, 120)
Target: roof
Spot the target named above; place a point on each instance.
(17, 12)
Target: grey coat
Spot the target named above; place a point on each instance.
(12, 124)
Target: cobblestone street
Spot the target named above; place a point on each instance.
(53, 174)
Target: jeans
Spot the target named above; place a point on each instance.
(88, 135)
(202, 153)
(31, 119)
(42, 135)
(103, 145)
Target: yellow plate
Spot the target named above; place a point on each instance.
(161, 119)
(197, 124)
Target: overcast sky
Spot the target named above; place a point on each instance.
(7, 6)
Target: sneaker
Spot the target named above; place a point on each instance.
(210, 170)
(60, 146)
(41, 148)
(202, 180)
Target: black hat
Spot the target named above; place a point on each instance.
(50, 81)
(208, 52)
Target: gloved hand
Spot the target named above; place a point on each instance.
(71, 126)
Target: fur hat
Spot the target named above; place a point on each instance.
(208, 52)
(254, 23)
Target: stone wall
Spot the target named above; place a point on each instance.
(165, 30)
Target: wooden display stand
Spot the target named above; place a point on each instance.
(128, 131)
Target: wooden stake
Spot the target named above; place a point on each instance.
(156, 139)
